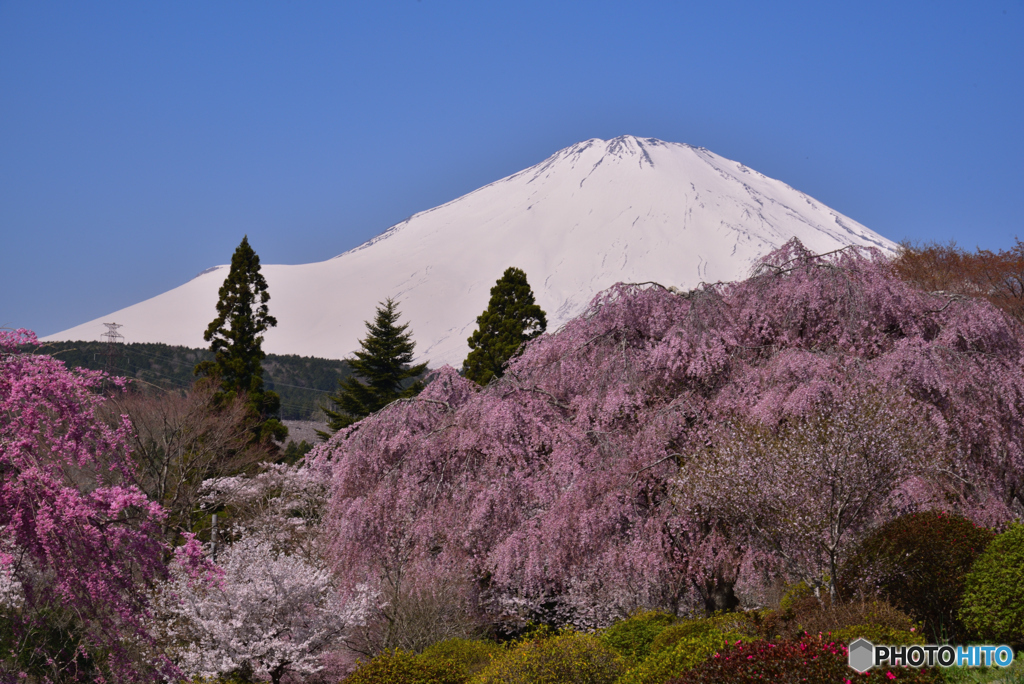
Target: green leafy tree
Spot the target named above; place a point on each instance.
(512, 317)
(236, 340)
(381, 371)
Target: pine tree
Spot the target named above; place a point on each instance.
(512, 317)
(381, 371)
(236, 340)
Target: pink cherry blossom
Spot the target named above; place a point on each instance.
(664, 448)
(74, 531)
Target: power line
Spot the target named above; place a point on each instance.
(311, 389)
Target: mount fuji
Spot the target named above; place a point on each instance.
(593, 214)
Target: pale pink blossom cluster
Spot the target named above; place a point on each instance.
(265, 612)
(282, 504)
(268, 606)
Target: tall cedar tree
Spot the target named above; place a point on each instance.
(381, 371)
(236, 340)
(512, 318)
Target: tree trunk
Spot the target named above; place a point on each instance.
(718, 594)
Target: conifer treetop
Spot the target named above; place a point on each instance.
(236, 338)
(236, 334)
(381, 369)
(512, 317)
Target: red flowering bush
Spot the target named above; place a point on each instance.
(918, 562)
(811, 661)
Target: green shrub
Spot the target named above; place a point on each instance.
(877, 634)
(468, 656)
(809, 616)
(673, 634)
(798, 591)
(631, 638)
(1014, 674)
(993, 602)
(918, 562)
(684, 652)
(241, 676)
(564, 659)
(403, 667)
(741, 623)
(814, 661)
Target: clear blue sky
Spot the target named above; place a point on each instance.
(140, 140)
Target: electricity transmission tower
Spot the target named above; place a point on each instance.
(113, 339)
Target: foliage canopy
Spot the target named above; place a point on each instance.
(997, 277)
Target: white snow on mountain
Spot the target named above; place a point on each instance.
(596, 213)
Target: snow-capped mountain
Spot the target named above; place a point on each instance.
(602, 211)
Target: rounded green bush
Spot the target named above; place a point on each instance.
(993, 602)
(673, 634)
(403, 667)
(918, 562)
(811, 616)
(631, 638)
(468, 656)
(740, 622)
(565, 659)
(701, 643)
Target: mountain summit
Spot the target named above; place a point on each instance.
(593, 214)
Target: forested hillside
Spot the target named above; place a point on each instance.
(303, 382)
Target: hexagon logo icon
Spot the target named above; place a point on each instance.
(862, 655)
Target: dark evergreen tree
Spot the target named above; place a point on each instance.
(512, 318)
(381, 371)
(294, 451)
(236, 340)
